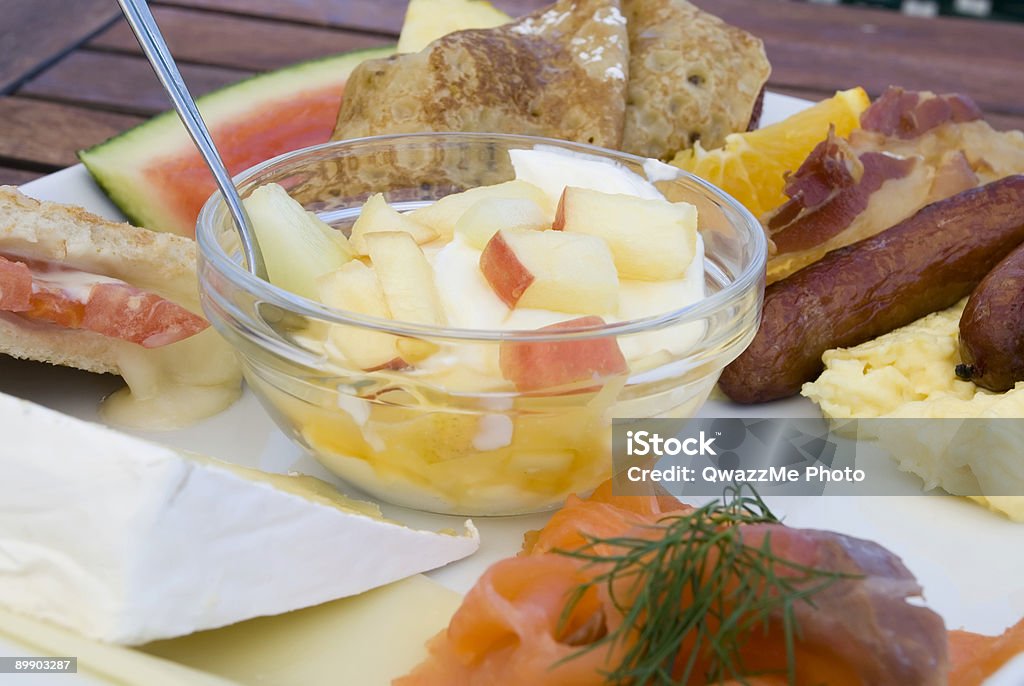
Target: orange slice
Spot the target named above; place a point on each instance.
(750, 166)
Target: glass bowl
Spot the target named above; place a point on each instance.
(450, 436)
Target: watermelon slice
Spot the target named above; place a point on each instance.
(154, 173)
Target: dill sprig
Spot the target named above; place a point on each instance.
(698, 585)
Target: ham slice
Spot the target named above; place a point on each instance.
(913, 149)
(78, 300)
(829, 191)
(909, 114)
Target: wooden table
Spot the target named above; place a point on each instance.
(71, 74)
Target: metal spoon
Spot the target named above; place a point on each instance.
(143, 25)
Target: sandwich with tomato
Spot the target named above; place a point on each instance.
(81, 291)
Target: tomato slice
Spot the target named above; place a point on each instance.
(121, 311)
(55, 307)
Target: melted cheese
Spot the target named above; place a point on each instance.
(367, 640)
(176, 385)
(75, 284)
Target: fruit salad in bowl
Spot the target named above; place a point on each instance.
(452, 321)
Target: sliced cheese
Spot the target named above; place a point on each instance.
(128, 542)
(369, 640)
(97, 662)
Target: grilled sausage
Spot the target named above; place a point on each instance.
(925, 263)
(992, 327)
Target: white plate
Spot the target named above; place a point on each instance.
(969, 561)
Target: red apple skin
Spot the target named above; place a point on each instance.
(508, 277)
(559, 222)
(541, 365)
(396, 364)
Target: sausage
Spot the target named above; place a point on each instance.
(925, 263)
(992, 327)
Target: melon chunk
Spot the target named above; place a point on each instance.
(377, 215)
(443, 215)
(650, 240)
(154, 173)
(551, 270)
(297, 246)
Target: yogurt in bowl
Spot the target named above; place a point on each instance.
(480, 308)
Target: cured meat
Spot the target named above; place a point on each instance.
(510, 628)
(953, 175)
(829, 191)
(909, 114)
(912, 149)
(108, 307)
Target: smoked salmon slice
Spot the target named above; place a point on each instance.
(975, 658)
(510, 629)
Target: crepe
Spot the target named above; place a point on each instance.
(559, 72)
(691, 77)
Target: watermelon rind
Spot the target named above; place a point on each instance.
(117, 163)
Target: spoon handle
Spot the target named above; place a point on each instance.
(144, 26)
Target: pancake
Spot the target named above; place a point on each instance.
(559, 72)
(691, 77)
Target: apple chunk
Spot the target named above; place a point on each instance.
(443, 215)
(551, 270)
(490, 215)
(650, 240)
(297, 246)
(533, 366)
(377, 215)
(354, 288)
(407, 280)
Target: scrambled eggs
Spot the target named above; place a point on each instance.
(908, 373)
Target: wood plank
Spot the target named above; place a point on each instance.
(995, 86)
(1005, 122)
(872, 30)
(120, 82)
(46, 134)
(380, 16)
(825, 48)
(15, 177)
(239, 42)
(37, 32)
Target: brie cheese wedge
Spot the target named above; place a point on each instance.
(127, 541)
